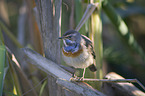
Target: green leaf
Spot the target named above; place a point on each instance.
(42, 88)
(9, 93)
(10, 35)
(2, 63)
(15, 78)
(1, 37)
(122, 28)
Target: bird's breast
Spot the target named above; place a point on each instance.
(71, 54)
(79, 59)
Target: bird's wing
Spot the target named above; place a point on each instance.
(89, 45)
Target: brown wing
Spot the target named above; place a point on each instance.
(89, 45)
(91, 49)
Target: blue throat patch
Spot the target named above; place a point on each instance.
(71, 46)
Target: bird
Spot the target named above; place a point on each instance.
(78, 51)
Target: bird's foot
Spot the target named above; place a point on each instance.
(77, 78)
(80, 78)
(74, 76)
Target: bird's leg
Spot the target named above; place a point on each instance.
(81, 79)
(73, 75)
(73, 70)
(84, 73)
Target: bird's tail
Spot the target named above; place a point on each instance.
(93, 68)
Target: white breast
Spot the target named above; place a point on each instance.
(82, 61)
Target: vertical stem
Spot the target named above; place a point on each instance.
(4, 12)
(98, 40)
(50, 20)
(96, 36)
(79, 14)
(57, 28)
(71, 18)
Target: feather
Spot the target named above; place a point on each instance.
(89, 45)
(92, 68)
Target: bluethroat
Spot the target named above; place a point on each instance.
(78, 51)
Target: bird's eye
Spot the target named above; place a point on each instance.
(69, 36)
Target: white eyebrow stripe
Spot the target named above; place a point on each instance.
(68, 35)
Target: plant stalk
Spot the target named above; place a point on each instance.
(2, 63)
(96, 37)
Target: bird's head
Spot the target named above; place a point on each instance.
(71, 37)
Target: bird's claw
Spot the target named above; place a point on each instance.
(80, 78)
(77, 78)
